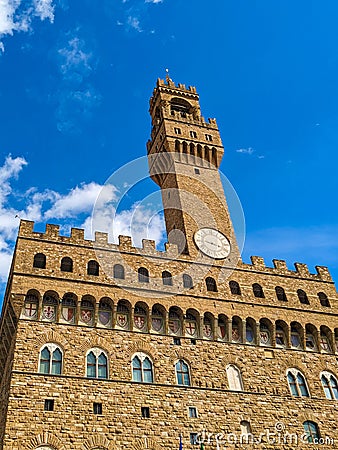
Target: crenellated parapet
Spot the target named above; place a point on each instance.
(100, 241)
(77, 237)
(280, 268)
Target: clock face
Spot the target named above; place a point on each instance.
(212, 243)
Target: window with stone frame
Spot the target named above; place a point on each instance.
(297, 383)
(330, 385)
(167, 279)
(324, 301)
(182, 373)
(312, 431)
(66, 264)
(234, 287)
(296, 340)
(142, 368)
(49, 307)
(68, 308)
(324, 340)
(39, 261)
(157, 319)
(280, 294)
(143, 275)
(140, 317)
(96, 364)
(31, 306)
(93, 268)
(187, 281)
(234, 378)
(118, 272)
(191, 324)
(50, 360)
(302, 296)
(211, 284)
(258, 290)
(87, 310)
(105, 315)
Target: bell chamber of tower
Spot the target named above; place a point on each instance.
(184, 154)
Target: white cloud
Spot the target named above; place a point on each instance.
(134, 23)
(81, 199)
(44, 9)
(74, 57)
(17, 15)
(71, 209)
(153, 1)
(246, 151)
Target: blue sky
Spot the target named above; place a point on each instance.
(76, 77)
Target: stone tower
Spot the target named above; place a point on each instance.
(184, 155)
(153, 345)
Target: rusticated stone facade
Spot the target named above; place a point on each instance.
(243, 347)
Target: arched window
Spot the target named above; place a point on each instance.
(118, 272)
(191, 325)
(140, 317)
(142, 368)
(311, 338)
(143, 275)
(123, 314)
(312, 431)
(234, 378)
(281, 333)
(39, 261)
(330, 385)
(296, 339)
(175, 320)
(68, 308)
(250, 330)
(49, 307)
(179, 105)
(182, 373)
(187, 281)
(236, 329)
(222, 327)
(66, 264)
(235, 288)
(324, 301)
(93, 268)
(258, 290)
(31, 306)
(245, 429)
(157, 318)
(265, 332)
(167, 278)
(208, 326)
(280, 294)
(302, 296)
(97, 364)
(297, 383)
(87, 310)
(325, 344)
(211, 284)
(105, 312)
(50, 360)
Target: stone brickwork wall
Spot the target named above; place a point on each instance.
(265, 399)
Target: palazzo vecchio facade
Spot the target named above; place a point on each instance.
(107, 346)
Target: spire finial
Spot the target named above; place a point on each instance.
(167, 77)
